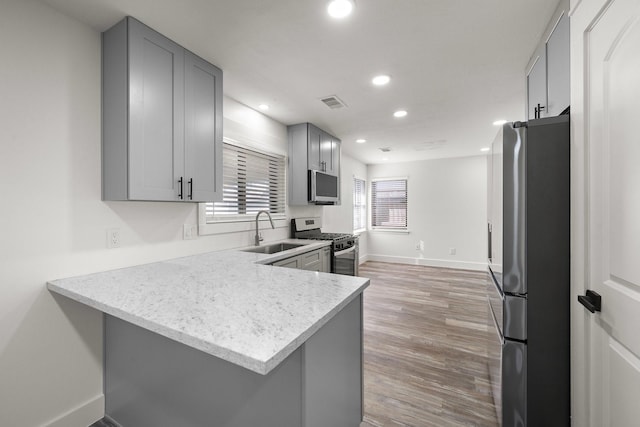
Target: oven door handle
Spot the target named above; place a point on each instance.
(346, 251)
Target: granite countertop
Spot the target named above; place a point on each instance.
(227, 303)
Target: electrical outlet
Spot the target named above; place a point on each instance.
(113, 238)
(452, 251)
(189, 232)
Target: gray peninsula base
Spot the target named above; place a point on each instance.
(151, 380)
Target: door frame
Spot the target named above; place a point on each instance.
(581, 323)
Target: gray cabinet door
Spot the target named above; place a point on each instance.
(311, 261)
(318, 260)
(293, 262)
(537, 88)
(314, 147)
(203, 130)
(329, 152)
(326, 152)
(335, 156)
(558, 68)
(156, 114)
(326, 259)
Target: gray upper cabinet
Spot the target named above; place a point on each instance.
(548, 76)
(558, 68)
(310, 148)
(162, 119)
(324, 150)
(537, 88)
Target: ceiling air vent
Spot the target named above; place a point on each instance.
(333, 102)
(429, 145)
(385, 149)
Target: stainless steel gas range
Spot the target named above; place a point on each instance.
(344, 247)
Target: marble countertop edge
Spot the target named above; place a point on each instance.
(217, 348)
(302, 338)
(258, 366)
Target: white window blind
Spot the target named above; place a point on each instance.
(359, 204)
(389, 203)
(252, 181)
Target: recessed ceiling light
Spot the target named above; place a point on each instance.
(499, 122)
(361, 141)
(385, 158)
(485, 149)
(340, 8)
(381, 80)
(264, 107)
(400, 113)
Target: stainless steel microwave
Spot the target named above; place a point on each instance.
(324, 188)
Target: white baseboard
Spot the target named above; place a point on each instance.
(462, 265)
(81, 416)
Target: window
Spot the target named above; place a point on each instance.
(359, 204)
(252, 181)
(389, 203)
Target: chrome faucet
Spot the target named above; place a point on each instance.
(258, 237)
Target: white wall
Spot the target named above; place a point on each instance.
(54, 223)
(446, 209)
(339, 219)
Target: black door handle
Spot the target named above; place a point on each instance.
(592, 301)
(191, 189)
(180, 193)
(489, 248)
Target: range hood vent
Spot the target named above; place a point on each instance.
(333, 102)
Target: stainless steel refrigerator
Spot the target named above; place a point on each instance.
(528, 274)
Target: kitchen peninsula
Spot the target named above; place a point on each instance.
(223, 339)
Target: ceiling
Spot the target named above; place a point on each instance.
(456, 65)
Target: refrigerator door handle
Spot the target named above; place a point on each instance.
(495, 322)
(489, 248)
(592, 301)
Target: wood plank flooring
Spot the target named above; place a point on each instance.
(425, 355)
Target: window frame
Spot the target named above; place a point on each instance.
(372, 204)
(362, 205)
(212, 224)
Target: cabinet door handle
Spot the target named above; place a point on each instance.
(592, 301)
(191, 189)
(180, 193)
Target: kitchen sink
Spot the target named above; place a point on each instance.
(275, 248)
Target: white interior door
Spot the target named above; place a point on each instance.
(606, 204)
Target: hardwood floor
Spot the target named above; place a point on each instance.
(425, 356)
